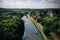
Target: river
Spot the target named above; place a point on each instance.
(31, 32)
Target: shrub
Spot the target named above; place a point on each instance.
(46, 22)
(46, 30)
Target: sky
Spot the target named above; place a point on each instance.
(30, 4)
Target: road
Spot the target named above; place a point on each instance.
(31, 32)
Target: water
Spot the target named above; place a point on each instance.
(31, 32)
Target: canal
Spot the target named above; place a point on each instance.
(31, 32)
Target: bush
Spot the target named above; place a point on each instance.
(46, 22)
(46, 30)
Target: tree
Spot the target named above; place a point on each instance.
(11, 28)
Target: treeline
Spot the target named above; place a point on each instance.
(11, 26)
(51, 24)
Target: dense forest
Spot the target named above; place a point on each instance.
(11, 26)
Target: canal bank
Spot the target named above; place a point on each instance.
(39, 27)
(31, 32)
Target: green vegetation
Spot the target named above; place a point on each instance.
(11, 26)
(51, 24)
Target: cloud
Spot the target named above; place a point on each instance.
(28, 4)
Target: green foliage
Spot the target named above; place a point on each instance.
(11, 27)
(46, 22)
(46, 30)
(51, 24)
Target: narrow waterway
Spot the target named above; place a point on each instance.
(31, 32)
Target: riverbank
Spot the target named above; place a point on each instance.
(30, 30)
(39, 27)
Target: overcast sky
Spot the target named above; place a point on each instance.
(29, 3)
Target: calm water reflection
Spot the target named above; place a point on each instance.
(31, 33)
